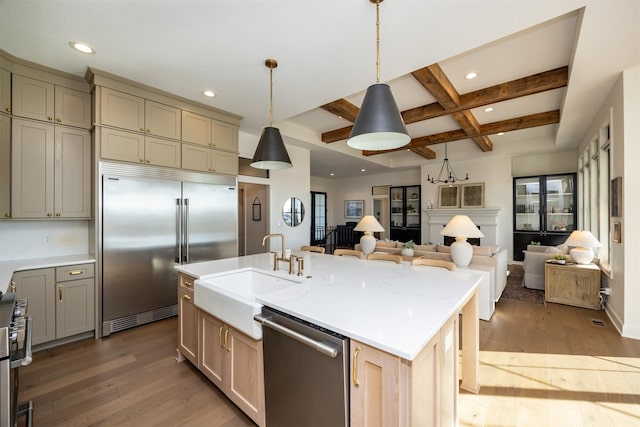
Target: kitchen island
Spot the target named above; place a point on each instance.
(401, 320)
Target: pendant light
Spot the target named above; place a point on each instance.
(379, 125)
(446, 170)
(271, 152)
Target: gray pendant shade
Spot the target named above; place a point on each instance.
(379, 125)
(271, 152)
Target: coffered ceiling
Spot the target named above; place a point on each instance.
(545, 66)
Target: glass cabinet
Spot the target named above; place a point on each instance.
(405, 215)
(543, 211)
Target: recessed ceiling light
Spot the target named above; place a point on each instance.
(332, 174)
(209, 93)
(500, 133)
(363, 170)
(340, 117)
(82, 47)
(488, 109)
(471, 75)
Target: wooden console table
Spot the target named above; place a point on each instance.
(574, 284)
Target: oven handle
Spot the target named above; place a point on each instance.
(28, 357)
(323, 348)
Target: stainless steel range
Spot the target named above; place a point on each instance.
(15, 351)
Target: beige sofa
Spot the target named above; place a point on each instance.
(482, 256)
(535, 258)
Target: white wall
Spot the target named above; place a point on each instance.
(283, 184)
(545, 163)
(26, 239)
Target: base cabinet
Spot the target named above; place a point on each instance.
(387, 390)
(61, 300)
(232, 360)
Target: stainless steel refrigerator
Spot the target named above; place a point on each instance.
(149, 225)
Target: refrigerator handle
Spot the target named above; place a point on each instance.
(186, 231)
(178, 230)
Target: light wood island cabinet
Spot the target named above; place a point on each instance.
(47, 102)
(51, 171)
(187, 320)
(575, 284)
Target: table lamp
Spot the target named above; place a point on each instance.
(583, 243)
(461, 227)
(368, 224)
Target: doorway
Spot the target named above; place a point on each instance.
(381, 213)
(253, 217)
(318, 235)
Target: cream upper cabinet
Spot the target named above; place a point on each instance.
(162, 120)
(133, 147)
(201, 130)
(121, 110)
(5, 91)
(5, 166)
(44, 101)
(206, 160)
(125, 111)
(51, 171)
(72, 107)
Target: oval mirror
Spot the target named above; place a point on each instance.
(293, 212)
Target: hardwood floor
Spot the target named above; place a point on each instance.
(128, 379)
(541, 365)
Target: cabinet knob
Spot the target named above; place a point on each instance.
(59, 120)
(57, 213)
(141, 160)
(49, 118)
(7, 215)
(148, 161)
(213, 144)
(148, 130)
(210, 144)
(8, 109)
(49, 214)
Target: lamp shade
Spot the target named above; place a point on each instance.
(271, 152)
(368, 224)
(379, 125)
(583, 242)
(461, 226)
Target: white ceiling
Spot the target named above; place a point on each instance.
(326, 51)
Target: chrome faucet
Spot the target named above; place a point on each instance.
(276, 258)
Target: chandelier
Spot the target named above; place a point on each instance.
(447, 175)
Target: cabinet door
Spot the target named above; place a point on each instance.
(162, 120)
(119, 145)
(5, 91)
(196, 158)
(196, 129)
(223, 162)
(246, 375)
(32, 185)
(75, 307)
(32, 98)
(212, 355)
(72, 173)
(161, 152)
(73, 107)
(5, 166)
(188, 326)
(121, 110)
(224, 136)
(375, 387)
(38, 286)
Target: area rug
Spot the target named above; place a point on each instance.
(516, 292)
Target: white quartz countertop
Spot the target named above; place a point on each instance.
(394, 307)
(7, 268)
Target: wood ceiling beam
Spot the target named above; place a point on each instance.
(436, 82)
(342, 108)
(536, 83)
(518, 123)
(425, 152)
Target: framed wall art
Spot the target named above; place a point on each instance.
(472, 195)
(448, 196)
(353, 208)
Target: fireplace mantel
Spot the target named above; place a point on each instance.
(485, 218)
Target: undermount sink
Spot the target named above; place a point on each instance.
(231, 296)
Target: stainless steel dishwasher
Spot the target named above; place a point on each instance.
(306, 370)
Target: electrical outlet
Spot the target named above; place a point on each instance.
(46, 239)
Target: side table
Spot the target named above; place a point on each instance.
(573, 284)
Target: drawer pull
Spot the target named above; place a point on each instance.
(13, 286)
(75, 272)
(60, 293)
(355, 367)
(188, 284)
(187, 297)
(220, 336)
(226, 336)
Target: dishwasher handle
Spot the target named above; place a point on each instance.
(323, 348)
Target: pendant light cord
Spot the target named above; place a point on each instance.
(377, 42)
(271, 97)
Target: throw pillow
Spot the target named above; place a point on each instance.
(481, 250)
(444, 249)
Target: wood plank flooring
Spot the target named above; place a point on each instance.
(541, 365)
